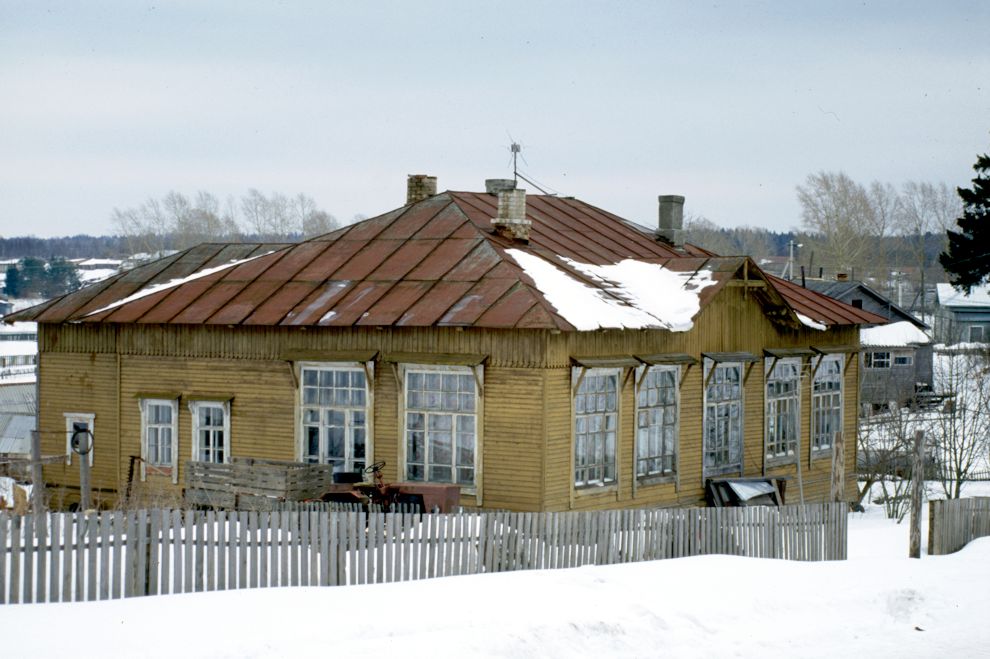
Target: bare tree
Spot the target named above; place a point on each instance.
(839, 210)
(960, 432)
(926, 209)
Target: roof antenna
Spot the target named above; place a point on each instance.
(516, 150)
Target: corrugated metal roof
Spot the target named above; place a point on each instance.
(433, 263)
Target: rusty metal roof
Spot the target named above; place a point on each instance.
(433, 263)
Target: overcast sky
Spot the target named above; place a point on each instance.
(105, 104)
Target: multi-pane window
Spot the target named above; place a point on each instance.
(211, 431)
(159, 425)
(335, 416)
(441, 424)
(877, 359)
(976, 333)
(656, 422)
(826, 403)
(783, 407)
(723, 440)
(595, 423)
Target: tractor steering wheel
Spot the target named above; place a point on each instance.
(375, 467)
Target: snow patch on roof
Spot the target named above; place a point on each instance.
(157, 288)
(813, 324)
(895, 334)
(629, 294)
(950, 297)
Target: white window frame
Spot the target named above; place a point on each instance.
(582, 434)
(873, 361)
(819, 400)
(903, 359)
(782, 415)
(78, 417)
(709, 407)
(145, 404)
(302, 449)
(476, 373)
(646, 421)
(194, 407)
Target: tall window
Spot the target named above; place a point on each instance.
(596, 405)
(723, 418)
(211, 431)
(159, 434)
(335, 416)
(826, 403)
(783, 407)
(441, 424)
(656, 422)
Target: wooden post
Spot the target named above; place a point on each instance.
(838, 480)
(37, 478)
(917, 478)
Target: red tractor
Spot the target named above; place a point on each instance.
(392, 497)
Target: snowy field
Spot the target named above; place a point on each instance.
(877, 604)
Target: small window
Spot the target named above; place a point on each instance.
(879, 359)
(858, 303)
(210, 431)
(903, 360)
(78, 422)
(596, 405)
(159, 435)
(976, 333)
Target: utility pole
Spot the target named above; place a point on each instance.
(917, 478)
(788, 272)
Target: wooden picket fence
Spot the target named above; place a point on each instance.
(953, 523)
(62, 557)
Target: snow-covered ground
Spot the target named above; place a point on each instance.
(879, 603)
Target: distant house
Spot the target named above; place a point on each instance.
(537, 351)
(896, 358)
(963, 317)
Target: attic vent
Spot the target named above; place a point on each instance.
(420, 187)
(671, 225)
(511, 221)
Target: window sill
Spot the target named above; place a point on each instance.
(656, 479)
(821, 454)
(781, 460)
(718, 472)
(591, 490)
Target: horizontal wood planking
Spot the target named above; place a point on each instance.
(62, 557)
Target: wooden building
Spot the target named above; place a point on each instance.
(542, 353)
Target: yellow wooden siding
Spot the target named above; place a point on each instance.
(527, 436)
(512, 462)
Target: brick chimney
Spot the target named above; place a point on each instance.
(420, 187)
(511, 221)
(671, 225)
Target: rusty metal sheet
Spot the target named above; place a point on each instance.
(355, 303)
(509, 309)
(169, 306)
(275, 308)
(404, 259)
(474, 266)
(329, 261)
(369, 229)
(245, 302)
(442, 260)
(482, 295)
(293, 260)
(315, 305)
(394, 303)
(414, 218)
(209, 302)
(360, 265)
(445, 223)
(429, 308)
(539, 318)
